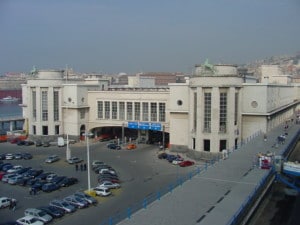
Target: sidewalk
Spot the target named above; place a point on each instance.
(216, 194)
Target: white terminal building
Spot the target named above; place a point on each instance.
(215, 109)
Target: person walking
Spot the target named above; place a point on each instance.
(76, 167)
(14, 205)
(84, 166)
(81, 167)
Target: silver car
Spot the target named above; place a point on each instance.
(76, 201)
(67, 207)
(86, 197)
(52, 158)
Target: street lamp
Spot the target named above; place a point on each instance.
(87, 135)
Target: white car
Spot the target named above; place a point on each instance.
(38, 214)
(5, 201)
(102, 191)
(29, 220)
(107, 170)
(52, 158)
(74, 160)
(109, 185)
(15, 169)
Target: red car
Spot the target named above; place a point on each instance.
(186, 163)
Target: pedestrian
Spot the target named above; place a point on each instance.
(14, 205)
(30, 191)
(76, 166)
(81, 167)
(10, 204)
(84, 166)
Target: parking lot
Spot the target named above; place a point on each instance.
(140, 171)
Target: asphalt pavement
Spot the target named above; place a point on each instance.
(141, 172)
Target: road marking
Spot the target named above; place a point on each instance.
(223, 180)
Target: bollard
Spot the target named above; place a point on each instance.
(110, 221)
(128, 213)
(145, 203)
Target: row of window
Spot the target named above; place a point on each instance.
(140, 111)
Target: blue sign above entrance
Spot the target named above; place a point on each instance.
(144, 126)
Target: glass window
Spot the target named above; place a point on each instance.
(236, 106)
(162, 112)
(45, 130)
(82, 113)
(114, 107)
(107, 109)
(122, 110)
(44, 105)
(207, 112)
(34, 105)
(223, 112)
(137, 111)
(100, 109)
(55, 105)
(129, 110)
(153, 111)
(145, 111)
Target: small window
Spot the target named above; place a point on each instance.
(179, 102)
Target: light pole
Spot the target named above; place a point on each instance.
(87, 135)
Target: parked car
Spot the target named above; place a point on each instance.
(74, 160)
(52, 211)
(68, 208)
(14, 179)
(49, 187)
(29, 220)
(7, 176)
(68, 181)
(21, 142)
(15, 169)
(38, 143)
(108, 171)
(86, 197)
(102, 191)
(96, 163)
(38, 184)
(186, 163)
(9, 156)
(76, 201)
(46, 144)
(50, 177)
(109, 185)
(131, 146)
(18, 155)
(5, 164)
(43, 175)
(7, 167)
(28, 143)
(57, 179)
(113, 146)
(5, 201)
(38, 214)
(52, 158)
(27, 155)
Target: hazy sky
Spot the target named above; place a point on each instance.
(113, 36)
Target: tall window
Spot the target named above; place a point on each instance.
(207, 112)
(34, 105)
(82, 113)
(137, 111)
(195, 112)
(114, 107)
(223, 112)
(55, 106)
(145, 111)
(153, 111)
(162, 112)
(236, 107)
(100, 110)
(107, 109)
(56, 129)
(122, 110)
(44, 105)
(129, 110)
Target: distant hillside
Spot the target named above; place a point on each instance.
(290, 64)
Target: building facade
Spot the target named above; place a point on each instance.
(214, 109)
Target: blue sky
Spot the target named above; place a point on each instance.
(113, 36)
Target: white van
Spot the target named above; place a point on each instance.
(38, 214)
(60, 142)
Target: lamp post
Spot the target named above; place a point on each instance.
(87, 135)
